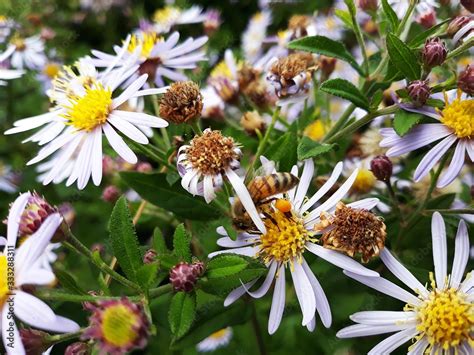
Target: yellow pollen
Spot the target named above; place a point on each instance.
(222, 70)
(285, 238)
(315, 130)
(283, 205)
(4, 289)
(166, 14)
(219, 334)
(19, 43)
(459, 116)
(446, 318)
(146, 40)
(119, 325)
(51, 70)
(90, 110)
(364, 181)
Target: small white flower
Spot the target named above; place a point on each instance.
(254, 35)
(170, 16)
(28, 271)
(281, 246)
(25, 53)
(216, 340)
(440, 319)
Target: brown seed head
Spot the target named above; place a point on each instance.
(298, 25)
(289, 67)
(181, 103)
(211, 153)
(353, 231)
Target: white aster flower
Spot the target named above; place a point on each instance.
(215, 341)
(254, 35)
(439, 319)
(84, 110)
(25, 53)
(205, 161)
(24, 260)
(6, 26)
(456, 127)
(8, 74)
(158, 58)
(282, 239)
(170, 16)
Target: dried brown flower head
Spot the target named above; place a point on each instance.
(298, 25)
(251, 121)
(353, 231)
(258, 93)
(212, 153)
(246, 75)
(289, 67)
(181, 103)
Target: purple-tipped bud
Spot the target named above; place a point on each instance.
(456, 24)
(183, 276)
(368, 5)
(198, 268)
(36, 211)
(434, 53)
(466, 80)
(78, 348)
(468, 4)
(150, 256)
(34, 341)
(419, 92)
(381, 167)
(111, 194)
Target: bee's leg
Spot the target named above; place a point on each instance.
(266, 201)
(271, 219)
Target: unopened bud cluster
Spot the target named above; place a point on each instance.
(184, 276)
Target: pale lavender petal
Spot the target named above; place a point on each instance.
(237, 293)
(419, 347)
(304, 183)
(304, 292)
(360, 330)
(461, 255)
(278, 302)
(457, 162)
(384, 317)
(440, 256)
(262, 291)
(393, 342)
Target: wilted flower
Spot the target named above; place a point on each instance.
(181, 103)
(466, 80)
(118, 326)
(34, 341)
(434, 52)
(215, 341)
(419, 92)
(438, 320)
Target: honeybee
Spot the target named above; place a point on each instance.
(261, 189)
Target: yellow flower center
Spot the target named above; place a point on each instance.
(90, 110)
(51, 70)
(146, 40)
(285, 238)
(364, 181)
(219, 334)
(119, 325)
(19, 43)
(167, 14)
(446, 318)
(4, 289)
(315, 130)
(222, 70)
(459, 116)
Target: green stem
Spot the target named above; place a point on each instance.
(149, 152)
(360, 40)
(163, 130)
(159, 291)
(461, 49)
(195, 126)
(341, 122)
(52, 295)
(54, 339)
(394, 199)
(258, 331)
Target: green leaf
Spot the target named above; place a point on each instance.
(146, 275)
(403, 57)
(351, 6)
(391, 15)
(68, 282)
(159, 243)
(225, 265)
(211, 317)
(182, 312)
(404, 121)
(155, 189)
(308, 148)
(441, 202)
(346, 90)
(345, 17)
(419, 39)
(327, 47)
(124, 240)
(283, 150)
(392, 73)
(182, 244)
(376, 100)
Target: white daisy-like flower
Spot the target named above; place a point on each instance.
(223, 78)
(439, 319)
(205, 161)
(27, 271)
(9, 74)
(456, 127)
(158, 58)
(25, 53)
(81, 113)
(212, 104)
(282, 238)
(215, 341)
(254, 35)
(170, 16)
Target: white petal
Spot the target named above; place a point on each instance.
(278, 302)
(402, 273)
(384, 317)
(304, 292)
(128, 129)
(304, 183)
(366, 203)
(461, 255)
(340, 260)
(440, 256)
(141, 119)
(237, 293)
(209, 193)
(360, 330)
(119, 145)
(129, 91)
(14, 216)
(97, 157)
(262, 291)
(457, 162)
(54, 145)
(7, 323)
(247, 251)
(393, 342)
(32, 310)
(419, 347)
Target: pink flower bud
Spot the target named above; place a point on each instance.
(381, 167)
(183, 276)
(419, 92)
(150, 256)
(434, 53)
(111, 194)
(466, 80)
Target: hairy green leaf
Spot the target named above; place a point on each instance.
(283, 150)
(225, 265)
(309, 148)
(391, 15)
(346, 90)
(182, 244)
(404, 59)
(182, 312)
(404, 121)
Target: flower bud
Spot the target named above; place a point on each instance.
(77, 348)
(456, 24)
(111, 194)
(34, 341)
(368, 5)
(36, 211)
(434, 53)
(468, 4)
(427, 19)
(466, 80)
(419, 92)
(150, 256)
(327, 65)
(184, 276)
(381, 167)
(144, 167)
(251, 121)
(181, 103)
